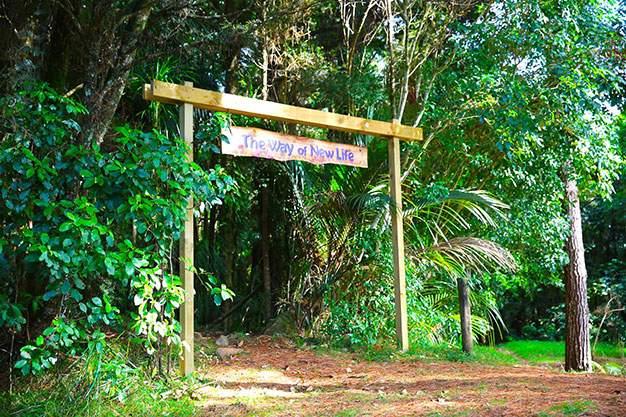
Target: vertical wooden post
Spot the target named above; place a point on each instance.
(186, 249)
(465, 312)
(397, 235)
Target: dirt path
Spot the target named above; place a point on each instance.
(274, 378)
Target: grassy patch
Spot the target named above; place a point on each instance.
(113, 382)
(511, 353)
(535, 351)
(482, 354)
(571, 408)
(610, 351)
(145, 401)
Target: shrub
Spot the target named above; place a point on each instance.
(85, 231)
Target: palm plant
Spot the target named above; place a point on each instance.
(345, 221)
(169, 69)
(436, 239)
(338, 206)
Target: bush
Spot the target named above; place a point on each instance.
(85, 232)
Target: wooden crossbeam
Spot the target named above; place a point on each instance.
(212, 100)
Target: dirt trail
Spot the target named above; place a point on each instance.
(274, 377)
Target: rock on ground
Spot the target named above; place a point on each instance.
(222, 341)
(225, 353)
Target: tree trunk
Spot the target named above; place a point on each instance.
(466, 315)
(267, 279)
(111, 61)
(577, 342)
(265, 90)
(229, 259)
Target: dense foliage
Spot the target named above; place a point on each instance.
(85, 231)
(516, 97)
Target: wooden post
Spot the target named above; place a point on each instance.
(186, 249)
(397, 236)
(465, 312)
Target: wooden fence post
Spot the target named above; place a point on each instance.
(397, 236)
(186, 249)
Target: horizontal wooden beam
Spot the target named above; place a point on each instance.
(147, 95)
(212, 100)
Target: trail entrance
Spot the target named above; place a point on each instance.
(187, 97)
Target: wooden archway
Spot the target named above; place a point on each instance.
(187, 97)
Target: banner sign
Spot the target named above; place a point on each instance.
(250, 141)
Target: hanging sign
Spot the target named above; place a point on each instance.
(250, 141)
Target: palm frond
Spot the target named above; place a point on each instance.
(442, 216)
(457, 255)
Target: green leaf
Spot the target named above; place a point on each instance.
(19, 364)
(141, 228)
(97, 301)
(47, 296)
(48, 211)
(76, 295)
(39, 340)
(26, 369)
(65, 288)
(29, 154)
(217, 300)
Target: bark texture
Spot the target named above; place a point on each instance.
(466, 316)
(112, 48)
(577, 341)
(265, 231)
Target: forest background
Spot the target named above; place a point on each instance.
(521, 106)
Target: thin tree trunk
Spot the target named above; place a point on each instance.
(265, 90)
(392, 93)
(577, 340)
(267, 279)
(106, 78)
(229, 259)
(466, 316)
(212, 224)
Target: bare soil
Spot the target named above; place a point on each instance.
(275, 378)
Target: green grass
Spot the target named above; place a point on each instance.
(511, 353)
(100, 384)
(535, 351)
(46, 402)
(482, 354)
(572, 408)
(609, 351)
